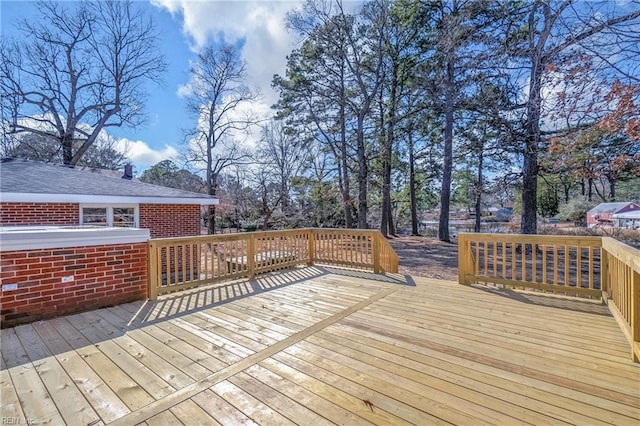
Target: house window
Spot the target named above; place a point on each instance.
(117, 215)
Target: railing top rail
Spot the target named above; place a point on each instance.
(260, 234)
(624, 252)
(196, 238)
(240, 235)
(594, 241)
(345, 231)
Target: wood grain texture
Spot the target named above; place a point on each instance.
(315, 346)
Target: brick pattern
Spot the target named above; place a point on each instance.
(162, 220)
(103, 276)
(39, 214)
(170, 220)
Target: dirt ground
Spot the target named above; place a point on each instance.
(427, 257)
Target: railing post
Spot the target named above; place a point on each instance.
(375, 247)
(464, 252)
(635, 314)
(604, 271)
(251, 255)
(312, 247)
(153, 271)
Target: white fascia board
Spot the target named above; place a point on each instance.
(22, 197)
(18, 238)
(633, 214)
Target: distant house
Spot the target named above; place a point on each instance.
(36, 193)
(603, 214)
(629, 219)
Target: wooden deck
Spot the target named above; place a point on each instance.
(317, 346)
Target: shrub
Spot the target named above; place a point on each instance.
(575, 210)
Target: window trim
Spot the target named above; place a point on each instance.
(110, 207)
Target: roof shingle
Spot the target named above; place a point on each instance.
(33, 177)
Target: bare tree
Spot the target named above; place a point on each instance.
(78, 70)
(269, 194)
(284, 156)
(217, 90)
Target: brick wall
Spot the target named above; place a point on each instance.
(39, 214)
(170, 220)
(162, 220)
(102, 276)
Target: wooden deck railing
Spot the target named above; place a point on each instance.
(182, 263)
(621, 286)
(592, 267)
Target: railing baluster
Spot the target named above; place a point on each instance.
(555, 264)
(534, 263)
(514, 270)
(590, 267)
(523, 259)
(567, 258)
(504, 257)
(579, 266)
(544, 263)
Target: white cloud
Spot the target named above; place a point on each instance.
(260, 23)
(142, 155)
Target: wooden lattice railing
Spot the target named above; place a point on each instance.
(591, 267)
(181, 263)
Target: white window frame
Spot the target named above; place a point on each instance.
(110, 207)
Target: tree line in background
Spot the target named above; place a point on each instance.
(386, 109)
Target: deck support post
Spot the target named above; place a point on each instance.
(635, 314)
(604, 271)
(465, 264)
(153, 271)
(375, 246)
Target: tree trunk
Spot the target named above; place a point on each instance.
(67, 150)
(346, 190)
(479, 186)
(529, 223)
(211, 222)
(445, 193)
(412, 185)
(211, 188)
(363, 172)
(529, 193)
(612, 188)
(386, 226)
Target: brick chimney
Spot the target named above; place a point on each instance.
(128, 172)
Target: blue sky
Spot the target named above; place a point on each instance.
(184, 26)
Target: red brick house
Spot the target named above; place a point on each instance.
(35, 193)
(603, 213)
(48, 269)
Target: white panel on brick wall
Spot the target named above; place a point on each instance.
(14, 238)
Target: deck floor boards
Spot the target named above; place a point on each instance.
(325, 346)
